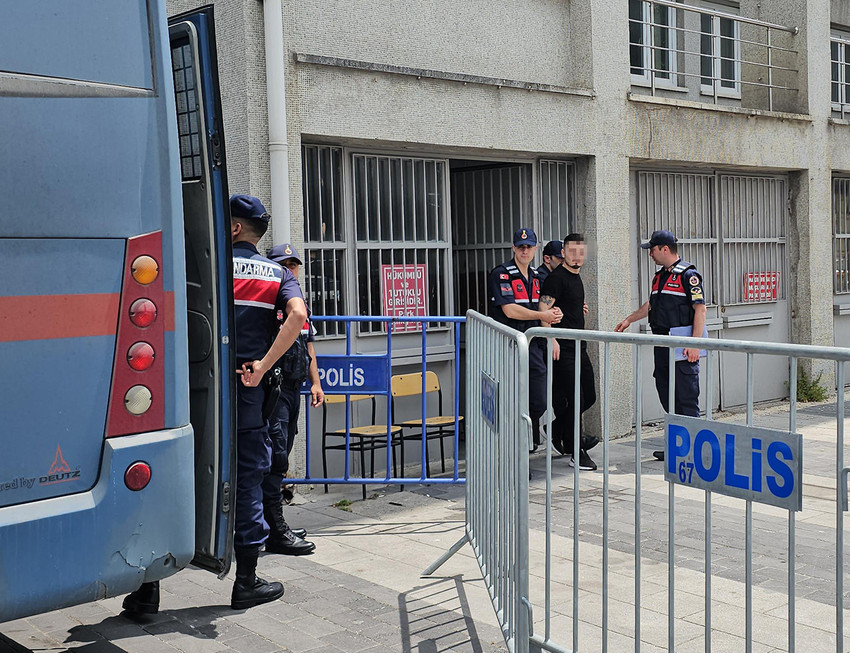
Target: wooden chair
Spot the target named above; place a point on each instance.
(362, 438)
(437, 427)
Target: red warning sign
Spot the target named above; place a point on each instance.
(405, 294)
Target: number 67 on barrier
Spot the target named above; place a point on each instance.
(747, 462)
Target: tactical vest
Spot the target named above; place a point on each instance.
(669, 303)
(521, 297)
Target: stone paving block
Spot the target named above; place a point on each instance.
(350, 642)
(252, 643)
(188, 644)
(315, 626)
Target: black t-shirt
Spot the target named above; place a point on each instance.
(568, 291)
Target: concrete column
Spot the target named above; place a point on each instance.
(810, 222)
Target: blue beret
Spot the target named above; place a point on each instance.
(245, 206)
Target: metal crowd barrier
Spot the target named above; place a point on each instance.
(497, 487)
(497, 443)
(371, 374)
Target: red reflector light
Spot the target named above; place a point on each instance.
(137, 476)
(140, 356)
(142, 312)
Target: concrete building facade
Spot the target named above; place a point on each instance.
(423, 133)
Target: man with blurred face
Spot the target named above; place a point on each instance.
(564, 289)
(677, 299)
(514, 290)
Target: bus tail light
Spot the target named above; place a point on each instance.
(136, 398)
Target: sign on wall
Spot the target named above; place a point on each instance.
(741, 461)
(405, 294)
(761, 286)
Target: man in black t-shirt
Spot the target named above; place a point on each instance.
(564, 289)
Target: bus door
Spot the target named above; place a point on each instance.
(209, 285)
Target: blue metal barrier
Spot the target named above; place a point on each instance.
(371, 374)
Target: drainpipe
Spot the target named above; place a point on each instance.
(278, 145)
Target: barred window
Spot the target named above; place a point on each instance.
(383, 249)
(736, 241)
(324, 236)
(841, 234)
(681, 203)
(188, 109)
(753, 226)
(400, 226)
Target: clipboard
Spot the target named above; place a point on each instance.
(679, 352)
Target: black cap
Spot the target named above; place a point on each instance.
(660, 238)
(553, 248)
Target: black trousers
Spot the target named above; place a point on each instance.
(563, 394)
(537, 375)
(687, 383)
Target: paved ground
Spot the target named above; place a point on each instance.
(361, 590)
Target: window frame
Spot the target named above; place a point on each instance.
(842, 63)
(716, 88)
(649, 77)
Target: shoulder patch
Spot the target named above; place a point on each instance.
(693, 280)
(504, 276)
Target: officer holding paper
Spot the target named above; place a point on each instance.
(677, 300)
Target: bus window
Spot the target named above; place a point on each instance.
(115, 307)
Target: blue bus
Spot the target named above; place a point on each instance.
(116, 371)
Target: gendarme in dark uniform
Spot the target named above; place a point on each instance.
(509, 284)
(677, 299)
(261, 289)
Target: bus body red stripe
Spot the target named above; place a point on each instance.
(45, 317)
(48, 317)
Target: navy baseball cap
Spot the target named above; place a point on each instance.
(553, 248)
(660, 239)
(525, 236)
(246, 206)
(279, 253)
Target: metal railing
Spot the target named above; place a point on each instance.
(762, 70)
(371, 374)
(840, 64)
(487, 336)
(497, 443)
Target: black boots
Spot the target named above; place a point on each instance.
(283, 539)
(144, 600)
(249, 590)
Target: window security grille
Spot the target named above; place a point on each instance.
(400, 225)
(841, 234)
(188, 111)
(752, 212)
(557, 199)
(732, 227)
(325, 248)
(488, 205)
(682, 203)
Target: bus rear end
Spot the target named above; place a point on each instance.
(97, 453)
